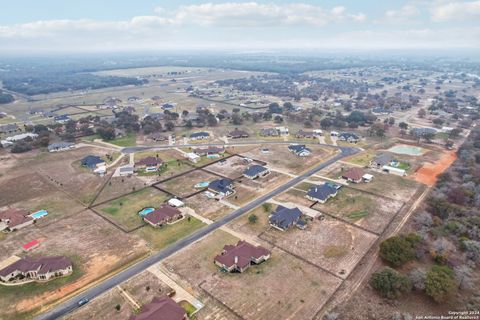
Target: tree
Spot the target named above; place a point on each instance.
(325, 123)
(397, 250)
(211, 120)
(454, 133)
(169, 126)
(118, 307)
(106, 132)
(440, 283)
(389, 283)
(403, 125)
(422, 113)
(437, 121)
(267, 207)
(237, 119)
(278, 119)
(252, 218)
(20, 147)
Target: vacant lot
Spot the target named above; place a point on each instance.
(185, 185)
(362, 158)
(280, 158)
(159, 238)
(260, 292)
(243, 225)
(232, 167)
(363, 209)
(208, 208)
(96, 247)
(295, 195)
(243, 195)
(124, 210)
(330, 244)
(118, 186)
(267, 183)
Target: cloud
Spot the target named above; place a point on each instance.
(405, 12)
(442, 12)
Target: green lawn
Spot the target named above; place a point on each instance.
(160, 238)
(403, 165)
(90, 138)
(125, 209)
(188, 307)
(357, 215)
(362, 159)
(128, 140)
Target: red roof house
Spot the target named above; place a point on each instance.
(164, 214)
(161, 308)
(353, 174)
(237, 258)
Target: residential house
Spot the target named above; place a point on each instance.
(300, 150)
(318, 132)
(255, 171)
(62, 118)
(9, 141)
(334, 134)
(157, 116)
(239, 257)
(150, 164)
(200, 135)
(168, 106)
(222, 187)
(348, 137)
(126, 171)
(161, 308)
(9, 128)
(321, 193)
(393, 170)
(157, 137)
(354, 175)
(381, 111)
(211, 152)
(61, 146)
(163, 215)
(269, 132)
(282, 130)
(305, 134)
(380, 161)
(238, 134)
(92, 162)
(14, 219)
(38, 269)
(284, 218)
(192, 157)
(420, 132)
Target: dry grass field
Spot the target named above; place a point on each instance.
(260, 292)
(330, 244)
(208, 208)
(185, 185)
(232, 167)
(96, 247)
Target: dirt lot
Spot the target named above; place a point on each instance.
(241, 224)
(232, 168)
(124, 210)
(208, 208)
(243, 195)
(185, 185)
(259, 292)
(95, 246)
(118, 186)
(428, 173)
(330, 244)
(363, 209)
(267, 183)
(281, 159)
(295, 195)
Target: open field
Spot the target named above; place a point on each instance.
(208, 208)
(184, 185)
(159, 238)
(363, 209)
(243, 195)
(330, 244)
(428, 173)
(295, 195)
(241, 224)
(124, 210)
(96, 247)
(259, 292)
(281, 159)
(174, 162)
(128, 140)
(118, 186)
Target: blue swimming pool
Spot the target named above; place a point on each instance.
(145, 211)
(202, 184)
(39, 214)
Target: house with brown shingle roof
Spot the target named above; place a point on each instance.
(161, 308)
(149, 163)
(353, 175)
(163, 215)
(14, 219)
(238, 134)
(211, 151)
(237, 258)
(38, 269)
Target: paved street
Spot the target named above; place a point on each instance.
(106, 285)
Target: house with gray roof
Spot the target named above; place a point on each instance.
(300, 150)
(321, 193)
(255, 171)
(222, 187)
(380, 161)
(60, 146)
(284, 218)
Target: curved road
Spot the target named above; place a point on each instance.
(72, 304)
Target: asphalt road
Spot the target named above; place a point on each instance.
(72, 304)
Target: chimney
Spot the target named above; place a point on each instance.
(236, 259)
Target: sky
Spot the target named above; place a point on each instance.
(33, 26)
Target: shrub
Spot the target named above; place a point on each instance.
(389, 283)
(398, 250)
(440, 283)
(252, 218)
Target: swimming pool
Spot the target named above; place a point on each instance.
(408, 150)
(202, 184)
(145, 211)
(39, 214)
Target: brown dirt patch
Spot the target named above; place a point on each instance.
(429, 173)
